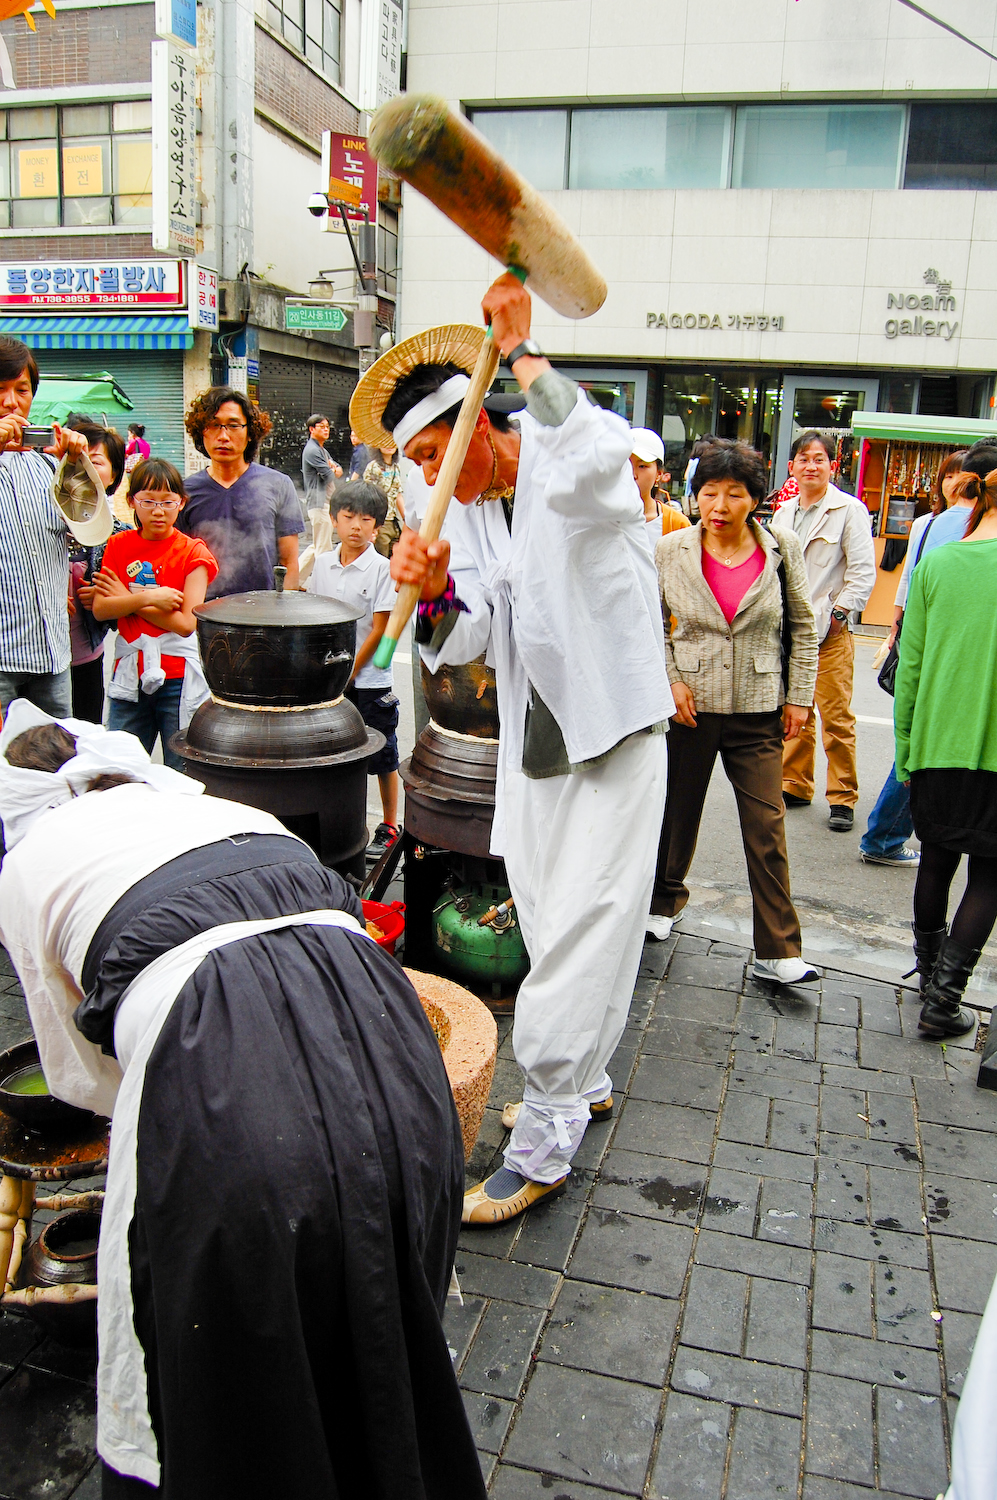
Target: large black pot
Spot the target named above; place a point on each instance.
(275, 649)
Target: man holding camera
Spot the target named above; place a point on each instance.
(34, 580)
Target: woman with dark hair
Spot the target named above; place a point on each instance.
(890, 823)
(284, 1188)
(945, 721)
(741, 653)
(248, 515)
(138, 449)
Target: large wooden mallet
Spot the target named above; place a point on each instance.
(420, 139)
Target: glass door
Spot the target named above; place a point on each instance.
(827, 404)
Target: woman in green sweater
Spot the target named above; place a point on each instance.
(945, 719)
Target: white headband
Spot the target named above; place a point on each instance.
(25, 795)
(429, 408)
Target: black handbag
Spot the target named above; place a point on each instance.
(887, 678)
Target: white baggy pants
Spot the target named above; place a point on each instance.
(580, 856)
(323, 540)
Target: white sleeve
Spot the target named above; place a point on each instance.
(591, 478)
(385, 593)
(913, 539)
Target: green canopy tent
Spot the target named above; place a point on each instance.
(99, 397)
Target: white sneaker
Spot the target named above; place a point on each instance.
(784, 970)
(660, 927)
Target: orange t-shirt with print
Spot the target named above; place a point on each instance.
(172, 559)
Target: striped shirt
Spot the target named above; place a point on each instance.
(34, 571)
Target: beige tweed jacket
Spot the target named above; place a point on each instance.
(737, 668)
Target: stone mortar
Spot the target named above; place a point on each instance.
(468, 1037)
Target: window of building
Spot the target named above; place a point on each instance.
(948, 145)
(817, 146)
(313, 27)
(81, 166)
(952, 146)
(649, 148)
(534, 141)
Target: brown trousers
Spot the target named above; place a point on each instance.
(833, 701)
(750, 748)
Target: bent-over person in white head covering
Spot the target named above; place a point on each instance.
(286, 1165)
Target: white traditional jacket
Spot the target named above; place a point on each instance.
(569, 602)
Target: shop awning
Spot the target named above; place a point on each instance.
(898, 427)
(91, 395)
(65, 332)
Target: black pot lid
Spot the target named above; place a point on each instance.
(266, 607)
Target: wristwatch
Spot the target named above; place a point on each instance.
(841, 615)
(528, 346)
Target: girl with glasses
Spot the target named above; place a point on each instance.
(150, 582)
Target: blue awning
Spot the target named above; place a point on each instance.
(98, 332)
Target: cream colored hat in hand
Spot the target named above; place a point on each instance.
(79, 497)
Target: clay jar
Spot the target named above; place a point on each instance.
(65, 1251)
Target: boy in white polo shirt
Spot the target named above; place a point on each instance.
(358, 576)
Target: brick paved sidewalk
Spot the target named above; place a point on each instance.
(733, 1299)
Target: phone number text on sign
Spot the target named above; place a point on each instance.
(90, 284)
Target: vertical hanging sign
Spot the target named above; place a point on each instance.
(381, 41)
(174, 149)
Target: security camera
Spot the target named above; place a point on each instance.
(318, 204)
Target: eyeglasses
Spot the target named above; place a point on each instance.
(216, 427)
(158, 504)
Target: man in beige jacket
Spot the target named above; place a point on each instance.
(835, 531)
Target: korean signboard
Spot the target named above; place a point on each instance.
(174, 149)
(381, 43)
(306, 315)
(351, 174)
(176, 20)
(97, 286)
(203, 298)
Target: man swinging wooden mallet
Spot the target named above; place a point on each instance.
(552, 577)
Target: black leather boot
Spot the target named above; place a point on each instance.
(941, 1014)
(926, 949)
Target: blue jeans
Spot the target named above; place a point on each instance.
(890, 823)
(50, 691)
(154, 714)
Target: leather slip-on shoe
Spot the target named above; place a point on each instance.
(479, 1208)
(601, 1111)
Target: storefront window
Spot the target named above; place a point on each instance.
(830, 412)
(92, 167)
(818, 146)
(897, 393)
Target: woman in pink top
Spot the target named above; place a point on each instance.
(741, 652)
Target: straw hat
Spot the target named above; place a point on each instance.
(453, 342)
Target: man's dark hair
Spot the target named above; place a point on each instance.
(813, 436)
(44, 747)
(363, 499)
(112, 443)
(725, 459)
(15, 358)
(422, 382)
(316, 418)
(204, 409)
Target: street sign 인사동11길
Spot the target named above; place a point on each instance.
(305, 315)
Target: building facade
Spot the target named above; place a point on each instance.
(793, 205)
(77, 191)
